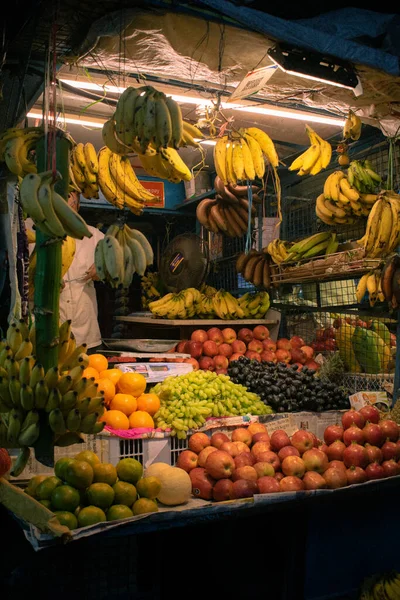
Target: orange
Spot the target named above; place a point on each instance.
(91, 515)
(106, 386)
(115, 419)
(149, 403)
(90, 372)
(112, 374)
(125, 403)
(98, 362)
(141, 419)
(131, 383)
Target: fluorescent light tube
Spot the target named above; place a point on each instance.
(71, 120)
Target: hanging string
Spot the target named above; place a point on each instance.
(249, 219)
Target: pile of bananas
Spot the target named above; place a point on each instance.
(319, 244)
(240, 157)
(390, 281)
(228, 213)
(255, 305)
(16, 146)
(119, 184)
(381, 587)
(383, 226)
(166, 164)
(149, 287)
(83, 170)
(122, 253)
(362, 176)
(68, 248)
(315, 158)
(371, 284)
(352, 126)
(255, 268)
(29, 396)
(341, 202)
(278, 250)
(48, 210)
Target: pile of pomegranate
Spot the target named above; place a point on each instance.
(250, 461)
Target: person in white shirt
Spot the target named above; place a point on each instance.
(78, 300)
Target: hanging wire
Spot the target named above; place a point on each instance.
(249, 217)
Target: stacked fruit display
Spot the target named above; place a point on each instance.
(288, 388)
(364, 347)
(251, 461)
(191, 303)
(188, 400)
(122, 253)
(315, 158)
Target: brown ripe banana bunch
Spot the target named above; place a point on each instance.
(255, 268)
(223, 216)
(315, 158)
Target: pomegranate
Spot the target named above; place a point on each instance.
(390, 429)
(356, 475)
(353, 434)
(333, 433)
(391, 468)
(390, 450)
(337, 464)
(370, 413)
(375, 471)
(355, 455)
(335, 478)
(373, 434)
(352, 417)
(335, 450)
(374, 453)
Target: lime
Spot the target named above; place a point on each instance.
(125, 493)
(91, 515)
(118, 511)
(130, 470)
(46, 503)
(79, 474)
(33, 483)
(100, 494)
(65, 498)
(89, 457)
(47, 486)
(148, 487)
(105, 473)
(61, 465)
(144, 505)
(67, 518)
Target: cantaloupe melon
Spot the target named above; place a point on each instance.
(176, 486)
(156, 469)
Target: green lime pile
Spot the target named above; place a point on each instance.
(84, 491)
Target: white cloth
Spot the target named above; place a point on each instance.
(78, 300)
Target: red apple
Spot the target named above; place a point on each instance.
(337, 464)
(291, 483)
(255, 346)
(218, 438)
(317, 441)
(390, 429)
(269, 345)
(223, 490)
(260, 332)
(268, 356)
(354, 434)
(199, 335)
(256, 427)
(229, 335)
(374, 453)
(355, 475)
(373, 434)
(180, 347)
(287, 451)
(225, 350)
(283, 344)
(296, 341)
(204, 454)
(206, 363)
(293, 465)
(279, 439)
(187, 460)
(242, 447)
(335, 450)
(370, 413)
(243, 488)
(215, 335)
(264, 468)
(195, 349)
(220, 465)
(335, 478)
(245, 335)
(221, 362)
(283, 356)
(231, 448)
(271, 457)
(324, 448)
(202, 483)
(260, 447)
(238, 347)
(313, 481)
(352, 417)
(210, 348)
(253, 355)
(308, 351)
(298, 356)
(235, 356)
(246, 472)
(243, 459)
(315, 460)
(192, 361)
(268, 485)
(241, 434)
(198, 441)
(302, 440)
(333, 433)
(261, 436)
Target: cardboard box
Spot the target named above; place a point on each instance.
(378, 399)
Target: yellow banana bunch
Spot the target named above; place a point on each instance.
(17, 147)
(382, 234)
(255, 304)
(278, 250)
(49, 211)
(315, 158)
(149, 285)
(370, 284)
(166, 164)
(352, 126)
(83, 170)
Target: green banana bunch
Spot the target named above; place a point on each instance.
(319, 244)
(363, 177)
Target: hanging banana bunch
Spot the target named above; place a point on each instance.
(370, 284)
(352, 126)
(16, 146)
(83, 170)
(315, 158)
(382, 235)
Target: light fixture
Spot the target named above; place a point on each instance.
(72, 120)
(259, 109)
(316, 67)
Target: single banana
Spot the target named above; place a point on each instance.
(57, 422)
(73, 224)
(220, 151)
(163, 131)
(176, 121)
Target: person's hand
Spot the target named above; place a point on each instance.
(91, 274)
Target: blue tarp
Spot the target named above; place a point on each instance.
(334, 33)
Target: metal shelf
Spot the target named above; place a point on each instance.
(194, 201)
(197, 322)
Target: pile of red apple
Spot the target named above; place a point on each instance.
(215, 348)
(251, 461)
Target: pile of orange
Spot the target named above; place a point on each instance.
(128, 406)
